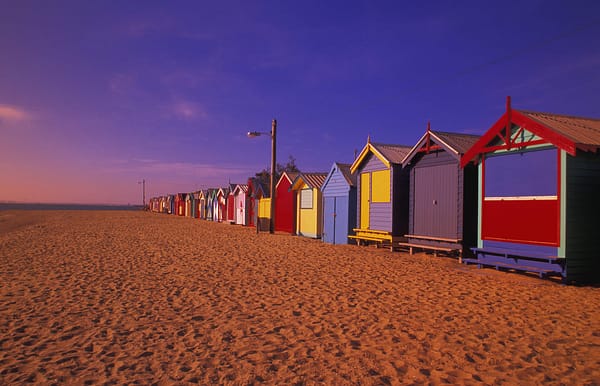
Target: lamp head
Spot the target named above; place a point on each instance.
(252, 134)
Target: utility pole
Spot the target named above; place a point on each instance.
(143, 182)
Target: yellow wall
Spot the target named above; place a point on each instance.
(264, 208)
(309, 221)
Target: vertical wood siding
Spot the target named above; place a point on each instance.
(336, 209)
(285, 208)
(436, 200)
(380, 213)
(583, 210)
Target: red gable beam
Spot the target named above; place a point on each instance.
(515, 117)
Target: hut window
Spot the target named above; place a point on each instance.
(380, 182)
(306, 199)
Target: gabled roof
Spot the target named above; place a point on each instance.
(567, 133)
(257, 189)
(344, 170)
(290, 176)
(388, 154)
(454, 143)
(584, 132)
(243, 188)
(313, 180)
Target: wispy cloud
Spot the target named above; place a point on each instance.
(10, 113)
(122, 84)
(186, 110)
(188, 170)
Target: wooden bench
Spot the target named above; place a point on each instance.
(522, 261)
(434, 248)
(380, 238)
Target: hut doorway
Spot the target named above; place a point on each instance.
(436, 200)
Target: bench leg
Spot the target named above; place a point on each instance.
(410, 250)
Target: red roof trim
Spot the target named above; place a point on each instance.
(516, 117)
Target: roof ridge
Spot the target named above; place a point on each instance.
(457, 134)
(556, 115)
(388, 144)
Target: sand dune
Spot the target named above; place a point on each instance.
(115, 297)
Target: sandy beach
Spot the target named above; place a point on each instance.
(134, 297)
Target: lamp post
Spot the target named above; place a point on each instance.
(273, 135)
(143, 182)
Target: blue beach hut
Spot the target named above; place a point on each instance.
(339, 204)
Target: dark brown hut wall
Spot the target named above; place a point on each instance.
(582, 214)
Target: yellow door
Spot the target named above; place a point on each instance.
(365, 190)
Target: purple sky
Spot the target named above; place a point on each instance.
(98, 95)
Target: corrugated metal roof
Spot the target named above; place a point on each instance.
(459, 142)
(345, 170)
(313, 180)
(242, 187)
(580, 130)
(393, 153)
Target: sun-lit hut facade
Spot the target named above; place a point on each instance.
(285, 203)
(189, 204)
(382, 194)
(230, 218)
(339, 204)
(443, 196)
(539, 179)
(210, 203)
(309, 204)
(240, 197)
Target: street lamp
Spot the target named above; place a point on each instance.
(273, 135)
(143, 182)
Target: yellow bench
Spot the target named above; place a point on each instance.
(381, 238)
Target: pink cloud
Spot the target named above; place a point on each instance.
(13, 113)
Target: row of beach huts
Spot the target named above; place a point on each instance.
(524, 196)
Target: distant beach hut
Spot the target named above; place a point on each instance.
(231, 204)
(339, 204)
(538, 194)
(164, 204)
(285, 204)
(180, 204)
(189, 204)
(210, 203)
(309, 206)
(382, 194)
(171, 204)
(256, 192)
(240, 194)
(202, 199)
(443, 196)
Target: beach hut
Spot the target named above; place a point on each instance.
(256, 191)
(202, 198)
(231, 204)
(189, 204)
(171, 204)
(220, 204)
(309, 205)
(240, 197)
(180, 203)
(164, 204)
(210, 203)
(539, 178)
(382, 194)
(339, 204)
(285, 204)
(442, 213)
